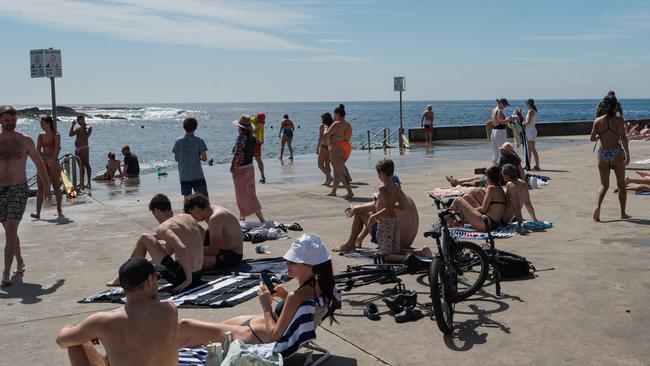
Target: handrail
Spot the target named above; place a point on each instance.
(371, 143)
(64, 162)
(373, 137)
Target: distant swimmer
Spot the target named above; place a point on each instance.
(142, 332)
(286, 136)
(81, 146)
(427, 123)
(499, 134)
(48, 145)
(15, 147)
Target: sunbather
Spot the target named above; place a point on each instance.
(310, 264)
(493, 205)
(638, 184)
(181, 237)
(517, 196)
(142, 332)
(407, 217)
(223, 243)
(112, 167)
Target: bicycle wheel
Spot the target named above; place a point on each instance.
(472, 269)
(442, 293)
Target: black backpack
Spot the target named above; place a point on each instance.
(512, 265)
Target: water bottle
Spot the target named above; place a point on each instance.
(227, 341)
(158, 171)
(215, 354)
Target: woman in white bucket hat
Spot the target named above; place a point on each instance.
(310, 264)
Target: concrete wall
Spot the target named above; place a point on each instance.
(478, 132)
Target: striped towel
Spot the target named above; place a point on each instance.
(192, 356)
(467, 232)
(301, 329)
(224, 291)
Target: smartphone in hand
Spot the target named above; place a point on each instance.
(480, 171)
(266, 278)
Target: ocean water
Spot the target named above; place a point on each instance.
(151, 130)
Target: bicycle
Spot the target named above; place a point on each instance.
(456, 273)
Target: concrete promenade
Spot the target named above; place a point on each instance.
(587, 305)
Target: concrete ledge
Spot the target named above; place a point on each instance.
(568, 128)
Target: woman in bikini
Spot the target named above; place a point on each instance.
(81, 148)
(493, 204)
(286, 136)
(338, 137)
(112, 166)
(48, 146)
(322, 150)
(310, 264)
(614, 153)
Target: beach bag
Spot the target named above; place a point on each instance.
(242, 354)
(512, 265)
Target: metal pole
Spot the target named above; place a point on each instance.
(401, 126)
(53, 101)
(385, 137)
(368, 140)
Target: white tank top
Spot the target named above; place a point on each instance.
(533, 119)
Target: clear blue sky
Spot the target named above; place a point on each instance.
(145, 51)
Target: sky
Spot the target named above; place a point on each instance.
(173, 51)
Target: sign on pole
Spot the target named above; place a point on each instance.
(399, 83)
(46, 63)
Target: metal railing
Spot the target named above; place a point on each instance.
(381, 140)
(71, 165)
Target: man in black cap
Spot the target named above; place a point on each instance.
(177, 235)
(499, 135)
(142, 332)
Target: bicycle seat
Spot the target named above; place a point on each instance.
(435, 232)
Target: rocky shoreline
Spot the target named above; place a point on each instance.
(61, 111)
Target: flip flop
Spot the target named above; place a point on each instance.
(295, 227)
(408, 315)
(371, 311)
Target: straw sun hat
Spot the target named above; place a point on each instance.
(244, 122)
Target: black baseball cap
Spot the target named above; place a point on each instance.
(504, 101)
(135, 271)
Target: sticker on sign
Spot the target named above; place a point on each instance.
(45, 63)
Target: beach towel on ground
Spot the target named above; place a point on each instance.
(258, 265)
(451, 191)
(224, 291)
(365, 255)
(239, 354)
(503, 232)
(244, 179)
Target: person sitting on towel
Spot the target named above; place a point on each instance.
(407, 216)
(223, 245)
(177, 235)
(517, 197)
(142, 332)
(489, 202)
(310, 264)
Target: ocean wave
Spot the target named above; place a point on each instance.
(129, 113)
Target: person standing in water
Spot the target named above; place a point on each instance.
(286, 136)
(81, 147)
(258, 131)
(338, 138)
(427, 123)
(531, 131)
(15, 147)
(499, 134)
(614, 153)
(48, 145)
(322, 150)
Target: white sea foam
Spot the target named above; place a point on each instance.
(145, 113)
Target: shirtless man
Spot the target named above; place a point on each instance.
(427, 122)
(499, 134)
(389, 199)
(517, 197)
(81, 148)
(182, 238)
(408, 223)
(223, 245)
(14, 149)
(144, 332)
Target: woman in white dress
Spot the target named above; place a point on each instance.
(531, 131)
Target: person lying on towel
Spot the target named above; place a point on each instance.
(177, 235)
(143, 332)
(310, 264)
(223, 245)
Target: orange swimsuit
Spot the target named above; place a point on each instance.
(344, 144)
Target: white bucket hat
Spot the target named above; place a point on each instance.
(308, 249)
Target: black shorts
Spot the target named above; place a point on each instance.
(174, 272)
(227, 258)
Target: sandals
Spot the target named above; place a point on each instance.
(371, 311)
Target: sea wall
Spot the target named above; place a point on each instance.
(566, 128)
